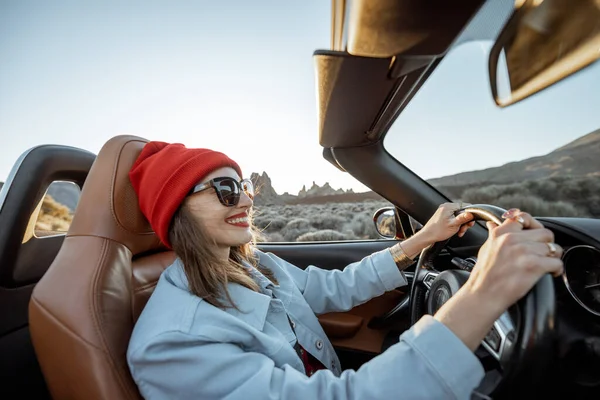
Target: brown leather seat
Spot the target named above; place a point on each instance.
(82, 312)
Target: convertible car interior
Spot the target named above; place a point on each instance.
(69, 300)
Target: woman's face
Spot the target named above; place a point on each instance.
(227, 226)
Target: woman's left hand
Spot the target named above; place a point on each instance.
(443, 224)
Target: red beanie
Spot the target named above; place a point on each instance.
(164, 174)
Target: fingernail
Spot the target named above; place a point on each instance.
(513, 212)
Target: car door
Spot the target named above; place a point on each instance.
(368, 329)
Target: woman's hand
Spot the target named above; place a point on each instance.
(509, 264)
(513, 259)
(443, 224)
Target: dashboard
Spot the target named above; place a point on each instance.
(575, 371)
(578, 303)
(582, 276)
(579, 286)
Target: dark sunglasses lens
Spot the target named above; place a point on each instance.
(229, 192)
(248, 187)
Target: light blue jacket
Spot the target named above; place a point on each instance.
(184, 348)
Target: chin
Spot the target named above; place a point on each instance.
(241, 240)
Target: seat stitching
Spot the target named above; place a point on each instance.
(63, 325)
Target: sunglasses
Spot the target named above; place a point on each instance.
(228, 189)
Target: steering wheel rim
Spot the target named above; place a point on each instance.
(532, 347)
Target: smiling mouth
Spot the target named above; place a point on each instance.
(240, 221)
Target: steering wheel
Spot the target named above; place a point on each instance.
(521, 341)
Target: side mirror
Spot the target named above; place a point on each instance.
(385, 222)
(542, 43)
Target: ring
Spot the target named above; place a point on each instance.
(552, 248)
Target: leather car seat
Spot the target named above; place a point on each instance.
(82, 312)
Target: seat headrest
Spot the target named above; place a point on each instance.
(82, 311)
(108, 206)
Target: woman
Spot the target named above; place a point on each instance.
(228, 321)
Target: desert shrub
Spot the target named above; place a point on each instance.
(289, 222)
(324, 235)
(539, 207)
(274, 237)
(545, 188)
(287, 211)
(346, 215)
(55, 209)
(593, 206)
(358, 208)
(295, 228)
(584, 192)
(270, 224)
(556, 196)
(53, 216)
(362, 225)
(484, 195)
(291, 235)
(327, 221)
(261, 222)
(298, 223)
(572, 189)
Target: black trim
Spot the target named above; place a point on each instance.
(325, 255)
(28, 183)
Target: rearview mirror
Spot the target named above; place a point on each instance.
(543, 42)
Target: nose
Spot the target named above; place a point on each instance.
(245, 200)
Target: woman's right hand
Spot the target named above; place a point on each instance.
(515, 256)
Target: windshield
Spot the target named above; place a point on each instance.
(541, 155)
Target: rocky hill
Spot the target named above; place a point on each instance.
(266, 194)
(580, 157)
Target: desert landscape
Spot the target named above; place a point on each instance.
(565, 182)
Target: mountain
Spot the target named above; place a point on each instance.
(264, 192)
(580, 157)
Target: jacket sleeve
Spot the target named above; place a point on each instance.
(429, 362)
(341, 290)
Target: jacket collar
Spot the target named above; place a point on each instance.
(253, 306)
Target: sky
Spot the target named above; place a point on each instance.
(454, 120)
(238, 77)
